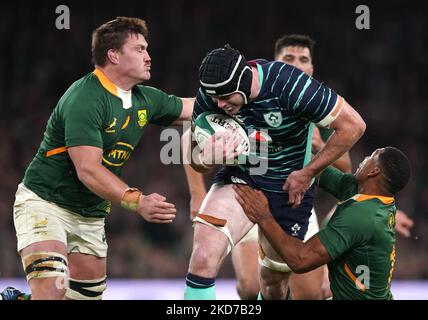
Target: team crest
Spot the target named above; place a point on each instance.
(142, 117)
(273, 119)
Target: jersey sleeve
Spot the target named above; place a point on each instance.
(166, 107)
(347, 229)
(340, 185)
(306, 98)
(83, 120)
(202, 103)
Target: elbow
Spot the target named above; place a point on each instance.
(355, 130)
(84, 173)
(358, 127)
(361, 128)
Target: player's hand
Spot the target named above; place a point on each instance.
(221, 148)
(154, 208)
(195, 204)
(403, 223)
(317, 142)
(253, 202)
(296, 186)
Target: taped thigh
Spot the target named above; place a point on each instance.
(266, 262)
(45, 265)
(218, 224)
(86, 289)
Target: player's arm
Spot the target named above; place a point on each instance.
(301, 257)
(340, 185)
(97, 178)
(186, 112)
(106, 185)
(195, 179)
(344, 163)
(348, 127)
(403, 223)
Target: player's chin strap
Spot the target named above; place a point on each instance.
(218, 224)
(272, 264)
(86, 289)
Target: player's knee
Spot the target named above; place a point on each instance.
(274, 291)
(86, 289)
(204, 262)
(274, 284)
(248, 289)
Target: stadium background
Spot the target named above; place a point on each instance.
(382, 72)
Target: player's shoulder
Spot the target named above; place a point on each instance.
(267, 66)
(364, 208)
(87, 87)
(85, 93)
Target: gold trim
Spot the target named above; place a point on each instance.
(364, 197)
(126, 122)
(105, 82)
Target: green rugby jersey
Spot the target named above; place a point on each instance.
(360, 240)
(94, 112)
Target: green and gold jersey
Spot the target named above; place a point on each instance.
(360, 240)
(94, 112)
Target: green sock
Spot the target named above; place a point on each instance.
(260, 297)
(199, 293)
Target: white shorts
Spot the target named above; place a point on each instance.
(251, 235)
(38, 220)
(265, 261)
(313, 227)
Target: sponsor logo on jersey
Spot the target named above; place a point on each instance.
(273, 119)
(142, 117)
(118, 154)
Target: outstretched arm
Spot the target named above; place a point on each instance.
(90, 171)
(344, 163)
(186, 112)
(300, 257)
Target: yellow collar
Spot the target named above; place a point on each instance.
(363, 197)
(105, 82)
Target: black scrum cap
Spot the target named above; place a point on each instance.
(225, 71)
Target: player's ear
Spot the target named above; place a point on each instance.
(113, 56)
(374, 172)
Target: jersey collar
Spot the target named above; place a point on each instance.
(105, 82)
(364, 197)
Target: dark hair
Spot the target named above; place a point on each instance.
(298, 40)
(113, 34)
(396, 168)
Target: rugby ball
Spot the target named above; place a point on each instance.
(210, 122)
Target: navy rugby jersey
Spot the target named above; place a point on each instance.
(288, 104)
